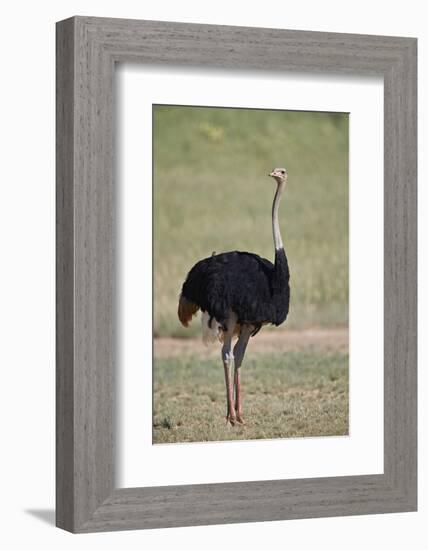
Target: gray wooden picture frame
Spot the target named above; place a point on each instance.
(87, 51)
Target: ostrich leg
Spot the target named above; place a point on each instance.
(227, 356)
(239, 352)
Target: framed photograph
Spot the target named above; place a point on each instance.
(236, 274)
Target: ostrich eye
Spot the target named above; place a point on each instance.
(282, 171)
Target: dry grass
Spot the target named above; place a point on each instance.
(295, 393)
(267, 341)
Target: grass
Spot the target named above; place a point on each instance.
(294, 394)
(211, 192)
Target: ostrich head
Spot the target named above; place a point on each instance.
(279, 174)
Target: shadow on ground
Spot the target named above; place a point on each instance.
(46, 515)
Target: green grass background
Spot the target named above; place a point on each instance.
(212, 193)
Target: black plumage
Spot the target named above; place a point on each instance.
(256, 290)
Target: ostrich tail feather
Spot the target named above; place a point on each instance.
(186, 310)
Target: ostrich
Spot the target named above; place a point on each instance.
(238, 293)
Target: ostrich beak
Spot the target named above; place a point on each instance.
(272, 174)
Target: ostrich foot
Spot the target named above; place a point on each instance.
(231, 419)
(239, 419)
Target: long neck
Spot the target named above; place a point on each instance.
(277, 240)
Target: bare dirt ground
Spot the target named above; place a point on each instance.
(275, 341)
